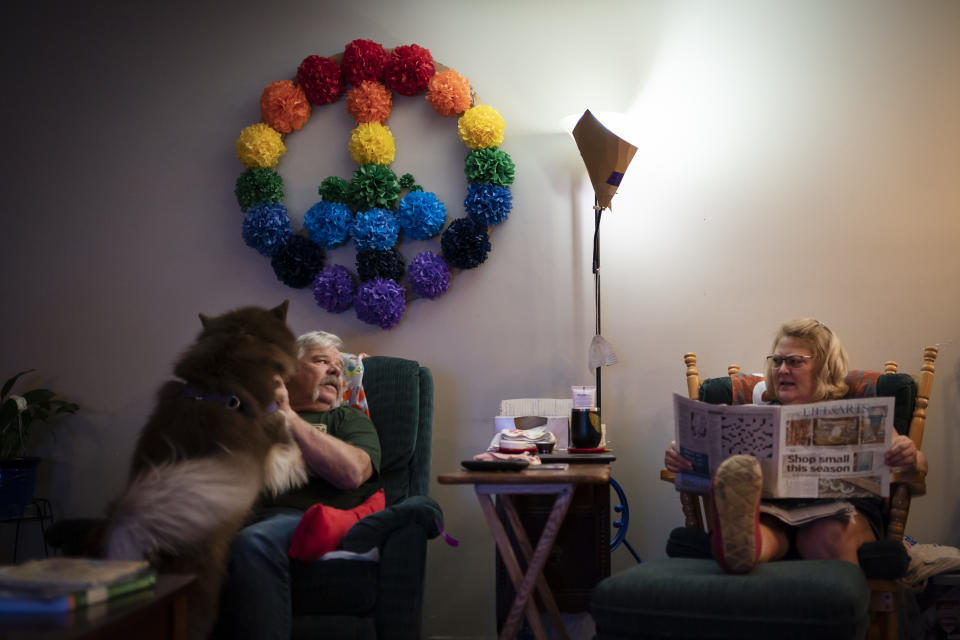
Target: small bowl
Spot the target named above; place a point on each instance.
(545, 447)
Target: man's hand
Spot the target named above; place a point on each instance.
(282, 399)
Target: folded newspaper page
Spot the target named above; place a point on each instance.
(828, 449)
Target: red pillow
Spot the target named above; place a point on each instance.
(322, 527)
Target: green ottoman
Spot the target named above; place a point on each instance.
(694, 598)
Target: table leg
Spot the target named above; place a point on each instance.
(542, 587)
(513, 568)
(547, 538)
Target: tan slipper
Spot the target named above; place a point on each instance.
(735, 513)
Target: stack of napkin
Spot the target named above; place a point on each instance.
(517, 441)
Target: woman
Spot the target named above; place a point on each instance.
(808, 364)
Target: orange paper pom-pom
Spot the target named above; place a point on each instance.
(369, 101)
(284, 106)
(449, 93)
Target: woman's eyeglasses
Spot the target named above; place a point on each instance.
(794, 362)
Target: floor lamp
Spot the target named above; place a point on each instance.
(606, 157)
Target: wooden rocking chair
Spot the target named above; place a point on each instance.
(691, 597)
(883, 618)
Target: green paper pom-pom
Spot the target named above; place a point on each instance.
(335, 189)
(489, 165)
(408, 182)
(374, 186)
(258, 186)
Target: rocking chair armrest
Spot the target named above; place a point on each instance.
(667, 476)
(915, 480)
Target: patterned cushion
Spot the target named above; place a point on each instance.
(352, 392)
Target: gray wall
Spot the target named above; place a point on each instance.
(795, 159)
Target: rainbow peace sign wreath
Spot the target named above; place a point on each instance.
(375, 209)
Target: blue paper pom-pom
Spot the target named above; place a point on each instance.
(334, 289)
(328, 223)
(297, 262)
(380, 302)
(488, 203)
(465, 243)
(429, 275)
(421, 215)
(375, 230)
(266, 227)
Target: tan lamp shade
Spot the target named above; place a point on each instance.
(605, 154)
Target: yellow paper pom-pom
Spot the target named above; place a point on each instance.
(259, 146)
(481, 127)
(369, 101)
(372, 142)
(448, 93)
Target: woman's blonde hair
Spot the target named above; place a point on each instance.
(830, 362)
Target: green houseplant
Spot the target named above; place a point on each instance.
(18, 414)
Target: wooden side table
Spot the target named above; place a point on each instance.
(159, 613)
(505, 485)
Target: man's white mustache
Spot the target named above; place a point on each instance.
(331, 380)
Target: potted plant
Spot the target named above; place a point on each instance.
(18, 414)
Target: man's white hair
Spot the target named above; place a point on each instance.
(317, 339)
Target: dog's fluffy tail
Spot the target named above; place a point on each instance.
(175, 505)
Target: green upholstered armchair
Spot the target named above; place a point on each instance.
(691, 596)
(383, 600)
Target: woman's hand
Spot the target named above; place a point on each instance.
(902, 453)
(675, 462)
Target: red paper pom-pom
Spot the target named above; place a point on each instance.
(363, 60)
(320, 79)
(409, 69)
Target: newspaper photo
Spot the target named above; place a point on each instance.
(828, 449)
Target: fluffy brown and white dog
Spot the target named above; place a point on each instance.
(213, 442)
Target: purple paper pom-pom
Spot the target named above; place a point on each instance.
(429, 275)
(375, 230)
(465, 243)
(266, 227)
(487, 203)
(297, 262)
(334, 289)
(380, 302)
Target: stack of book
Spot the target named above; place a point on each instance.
(55, 585)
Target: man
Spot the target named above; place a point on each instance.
(342, 452)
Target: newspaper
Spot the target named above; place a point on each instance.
(831, 449)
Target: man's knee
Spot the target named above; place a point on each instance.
(257, 543)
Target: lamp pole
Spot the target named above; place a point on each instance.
(597, 212)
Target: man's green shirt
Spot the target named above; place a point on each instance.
(353, 427)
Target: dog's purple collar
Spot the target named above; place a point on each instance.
(231, 402)
(196, 393)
